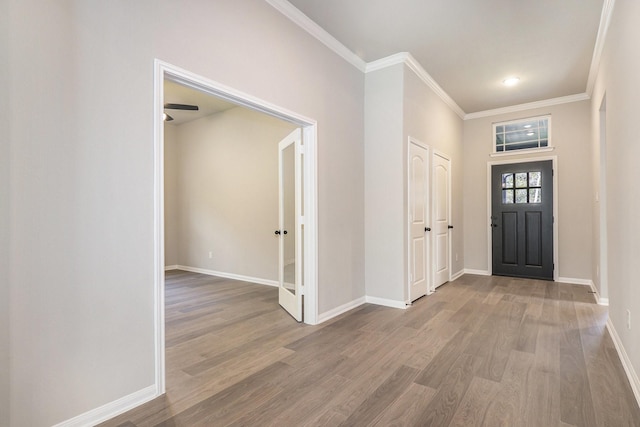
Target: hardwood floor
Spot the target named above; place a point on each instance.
(482, 351)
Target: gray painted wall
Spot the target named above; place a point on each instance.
(570, 137)
(171, 153)
(5, 155)
(383, 184)
(398, 104)
(618, 79)
(82, 180)
(227, 193)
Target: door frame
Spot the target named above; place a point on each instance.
(411, 140)
(164, 70)
(554, 165)
(433, 241)
(602, 265)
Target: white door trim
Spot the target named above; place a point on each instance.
(429, 278)
(433, 183)
(602, 272)
(554, 165)
(164, 70)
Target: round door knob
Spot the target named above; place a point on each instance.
(284, 232)
(277, 232)
(427, 229)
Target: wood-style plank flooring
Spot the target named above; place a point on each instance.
(481, 351)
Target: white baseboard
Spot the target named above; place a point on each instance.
(113, 409)
(257, 280)
(170, 267)
(457, 275)
(626, 362)
(574, 281)
(596, 295)
(585, 282)
(476, 272)
(386, 302)
(341, 309)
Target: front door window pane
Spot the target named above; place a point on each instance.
(507, 180)
(535, 195)
(534, 179)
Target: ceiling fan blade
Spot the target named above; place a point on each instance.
(181, 107)
(167, 118)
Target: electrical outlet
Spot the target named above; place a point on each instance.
(629, 319)
(210, 254)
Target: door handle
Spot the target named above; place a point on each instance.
(277, 232)
(450, 227)
(494, 225)
(427, 229)
(284, 232)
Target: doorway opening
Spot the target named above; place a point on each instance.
(307, 129)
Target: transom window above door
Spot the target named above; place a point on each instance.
(524, 134)
(522, 187)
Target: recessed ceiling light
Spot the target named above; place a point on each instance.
(511, 81)
(527, 126)
(530, 133)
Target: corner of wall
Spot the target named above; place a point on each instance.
(4, 219)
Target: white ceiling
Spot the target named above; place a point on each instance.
(469, 46)
(175, 93)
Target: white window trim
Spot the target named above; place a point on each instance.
(520, 152)
(549, 146)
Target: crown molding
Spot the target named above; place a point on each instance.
(429, 81)
(408, 59)
(304, 22)
(605, 20)
(529, 106)
(388, 61)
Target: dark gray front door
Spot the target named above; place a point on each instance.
(522, 219)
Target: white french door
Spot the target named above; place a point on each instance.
(290, 226)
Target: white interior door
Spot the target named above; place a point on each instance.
(441, 217)
(290, 224)
(419, 227)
